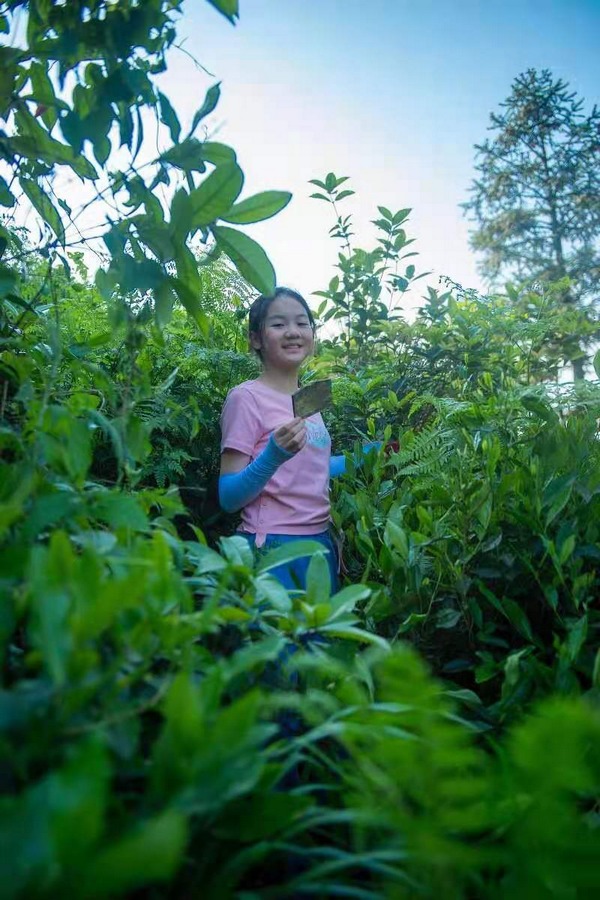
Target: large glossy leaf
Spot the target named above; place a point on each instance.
(257, 208)
(216, 194)
(249, 258)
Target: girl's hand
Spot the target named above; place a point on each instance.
(291, 436)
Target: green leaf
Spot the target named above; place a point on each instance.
(216, 194)
(34, 142)
(385, 212)
(44, 207)
(169, 117)
(596, 671)
(205, 559)
(511, 611)
(43, 90)
(119, 510)
(448, 618)
(412, 621)
(345, 600)
(597, 364)
(257, 208)
(350, 633)
(394, 536)
(210, 101)
(216, 153)
(270, 589)
(151, 853)
(261, 815)
(557, 494)
(401, 215)
(163, 304)
(237, 551)
(576, 637)
(229, 8)
(55, 822)
(191, 303)
(50, 633)
(318, 580)
(6, 195)
(188, 155)
(248, 257)
(566, 549)
(8, 280)
(287, 553)
(539, 407)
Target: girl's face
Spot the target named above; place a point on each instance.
(287, 336)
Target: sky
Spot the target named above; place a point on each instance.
(393, 93)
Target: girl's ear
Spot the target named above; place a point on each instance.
(255, 341)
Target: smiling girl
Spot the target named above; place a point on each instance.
(275, 467)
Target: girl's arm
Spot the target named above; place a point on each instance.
(241, 481)
(337, 464)
(239, 486)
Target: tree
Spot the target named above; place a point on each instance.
(77, 91)
(536, 199)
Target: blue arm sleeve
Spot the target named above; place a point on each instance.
(237, 489)
(337, 464)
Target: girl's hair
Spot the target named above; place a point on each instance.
(260, 308)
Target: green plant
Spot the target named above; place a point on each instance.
(365, 294)
(480, 533)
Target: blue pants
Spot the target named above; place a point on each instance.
(293, 575)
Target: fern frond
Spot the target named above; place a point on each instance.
(426, 452)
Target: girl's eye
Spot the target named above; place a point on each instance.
(284, 325)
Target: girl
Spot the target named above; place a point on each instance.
(274, 467)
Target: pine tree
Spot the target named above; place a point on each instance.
(536, 198)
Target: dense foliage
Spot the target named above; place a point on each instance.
(174, 723)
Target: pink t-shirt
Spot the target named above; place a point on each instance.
(295, 500)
